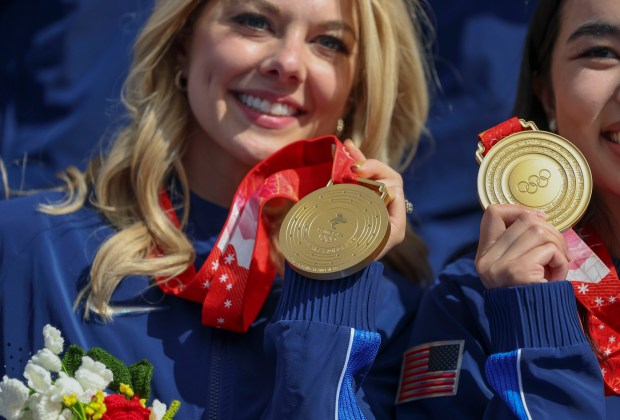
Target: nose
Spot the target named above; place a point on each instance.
(286, 60)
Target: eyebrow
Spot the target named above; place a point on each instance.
(595, 29)
(335, 25)
(273, 9)
(261, 4)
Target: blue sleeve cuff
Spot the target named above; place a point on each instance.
(350, 301)
(533, 316)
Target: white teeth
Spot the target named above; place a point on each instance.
(266, 107)
(614, 137)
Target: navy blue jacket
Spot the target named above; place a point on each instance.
(524, 352)
(316, 349)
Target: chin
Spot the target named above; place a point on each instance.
(262, 149)
(254, 157)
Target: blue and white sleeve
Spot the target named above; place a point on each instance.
(541, 365)
(324, 340)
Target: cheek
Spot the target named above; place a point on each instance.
(582, 97)
(332, 89)
(221, 58)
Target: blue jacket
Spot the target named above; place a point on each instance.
(523, 352)
(316, 349)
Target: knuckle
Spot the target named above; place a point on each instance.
(527, 218)
(538, 231)
(514, 272)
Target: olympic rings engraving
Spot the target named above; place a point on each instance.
(534, 182)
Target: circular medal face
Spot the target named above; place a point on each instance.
(335, 231)
(537, 169)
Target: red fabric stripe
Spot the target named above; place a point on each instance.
(425, 376)
(410, 359)
(415, 351)
(415, 384)
(442, 390)
(494, 134)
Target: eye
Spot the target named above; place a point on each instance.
(252, 20)
(332, 43)
(599, 53)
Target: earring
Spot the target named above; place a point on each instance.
(339, 127)
(180, 81)
(553, 125)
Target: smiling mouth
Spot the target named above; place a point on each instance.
(265, 107)
(613, 137)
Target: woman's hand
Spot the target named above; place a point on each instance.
(378, 171)
(518, 246)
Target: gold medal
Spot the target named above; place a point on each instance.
(336, 231)
(537, 169)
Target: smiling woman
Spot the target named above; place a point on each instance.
(166, 250)
(289, 78)
(531, 344)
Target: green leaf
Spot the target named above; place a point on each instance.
(172, 410)
(72, 359)
(118, 368)
(141, 374)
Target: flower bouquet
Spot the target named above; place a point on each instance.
(75, 386)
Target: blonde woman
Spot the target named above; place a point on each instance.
(134, 257)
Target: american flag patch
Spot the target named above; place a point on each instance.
(430, 370)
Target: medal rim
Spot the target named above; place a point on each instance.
(570, 149)
(344, 270)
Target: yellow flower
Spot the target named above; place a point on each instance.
(96, 407)
(69, 400)
(126, 390)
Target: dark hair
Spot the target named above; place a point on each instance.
(541, 37)
(536, 62)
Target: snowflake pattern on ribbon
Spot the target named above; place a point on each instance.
(600, 295)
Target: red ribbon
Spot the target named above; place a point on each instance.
(236, 277)
(602, 301)
(490, 137)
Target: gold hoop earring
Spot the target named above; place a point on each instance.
(180, 81)
(339, 127)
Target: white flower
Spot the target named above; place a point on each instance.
(66, 415)
(158, 409)
(93, 376)
(43, 408)
(39, 379)
(13, 398)
(47, 360)
(65, 385)
(53, 339)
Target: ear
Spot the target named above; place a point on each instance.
(544, 92)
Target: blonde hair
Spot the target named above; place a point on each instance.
(390, 105)
(391, 97)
